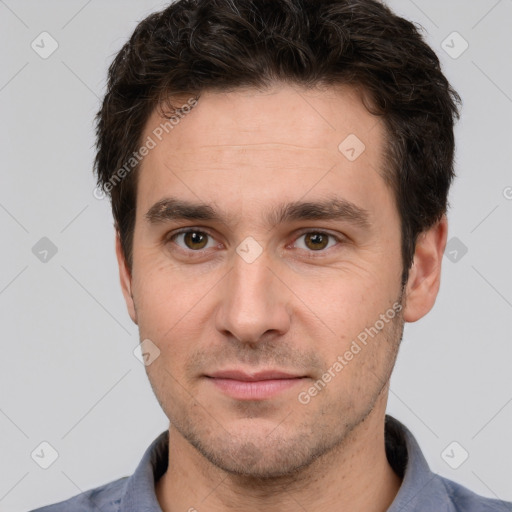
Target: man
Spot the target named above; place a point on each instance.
(279, 173)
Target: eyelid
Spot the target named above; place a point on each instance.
(338, 237)
(187, 229)
(169, 237)
(321, 231)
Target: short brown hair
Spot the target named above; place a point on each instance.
(197, 45)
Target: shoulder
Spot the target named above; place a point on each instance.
(423, 489)
(465, 500)
(106, 498)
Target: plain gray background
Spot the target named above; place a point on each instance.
(68, 375)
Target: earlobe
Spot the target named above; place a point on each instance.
(125, 279)
(425, 274)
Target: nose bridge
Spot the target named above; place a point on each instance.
(250, 280)
(253, 301)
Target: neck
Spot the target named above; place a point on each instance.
(355, 476)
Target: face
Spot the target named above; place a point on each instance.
(266, 270)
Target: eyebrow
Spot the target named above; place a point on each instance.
(334, 208)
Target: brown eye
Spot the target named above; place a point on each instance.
(193, 240)
(316, 241)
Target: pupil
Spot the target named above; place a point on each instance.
(195, 239)
(318, 240)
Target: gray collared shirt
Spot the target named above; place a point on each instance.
(421, 489)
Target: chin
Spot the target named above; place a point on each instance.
(261, 457)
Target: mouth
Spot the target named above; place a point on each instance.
(260, 385)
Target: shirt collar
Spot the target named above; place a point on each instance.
(140, 493)
(421, 489)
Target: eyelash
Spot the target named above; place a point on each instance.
(311, 253)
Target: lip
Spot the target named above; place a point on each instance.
(259, 385)
(253, 376)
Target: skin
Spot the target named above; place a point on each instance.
(296, 308)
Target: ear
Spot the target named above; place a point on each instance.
(425, 274)
(126, 279)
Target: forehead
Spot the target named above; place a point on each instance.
(320, 117)
(248, 144)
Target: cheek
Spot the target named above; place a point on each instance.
(345, 299)
(349, 326)
(165, 300)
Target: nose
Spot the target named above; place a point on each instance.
(254, 303)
